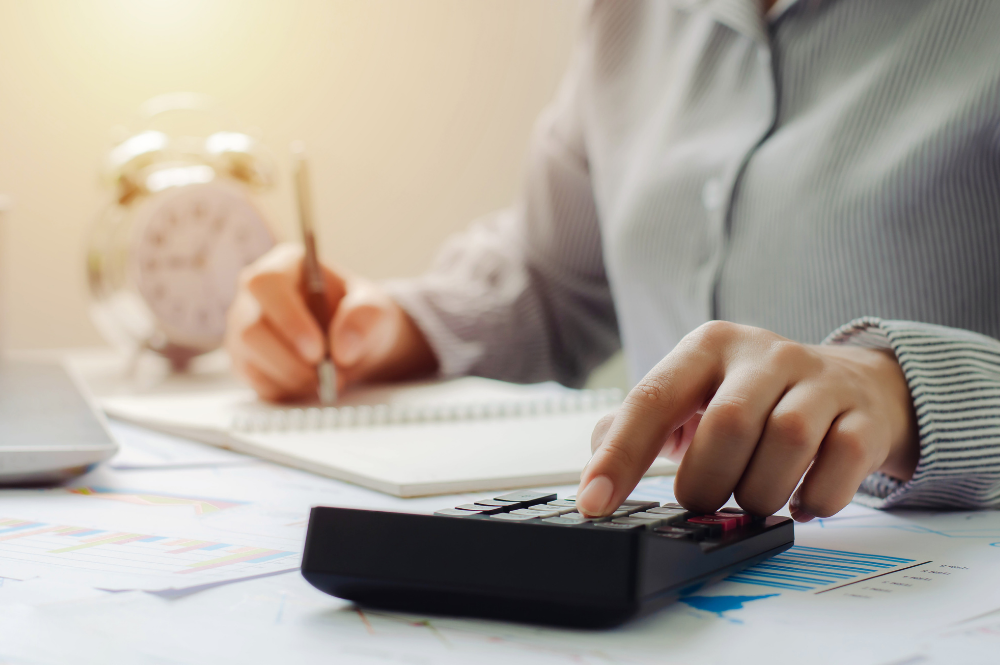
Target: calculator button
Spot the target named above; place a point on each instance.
(511, 517)
(578, 516)
(674, 532)
(528, 512)
(633, 520)
(675, 506)
(723, 524)
(664, 510)
(562, 503)
(650, 517)
(641, 505)
(735, 519)
(742, 519)
(615, 525)
(486, 510)
(697, 531)
(562, 521)
(668, 518)
(547, 508)
(454, 512)
(542, 513)
(496, 504)
(530, 498)
(711, 530)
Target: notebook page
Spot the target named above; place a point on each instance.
(443, 457)
(216, 412)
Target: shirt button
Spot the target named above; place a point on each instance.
(712, 194)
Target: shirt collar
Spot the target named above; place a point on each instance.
(743, 16)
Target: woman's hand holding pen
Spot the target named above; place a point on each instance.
(276, 344)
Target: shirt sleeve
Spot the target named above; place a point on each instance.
(954, 379)
(523, 295)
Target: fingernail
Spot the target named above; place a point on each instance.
(799, 515)
(310, 349)
(595, 497)
(350, 346)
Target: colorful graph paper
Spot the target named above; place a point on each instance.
(201, 506)
(811, 568)
(27, 542)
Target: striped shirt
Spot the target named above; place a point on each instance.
(829, 172)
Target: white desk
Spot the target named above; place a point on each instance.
(281, 619)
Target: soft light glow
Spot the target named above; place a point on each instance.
(173, 101)
(179, 176)
(159, 16)
(221, 142)
(139, 144)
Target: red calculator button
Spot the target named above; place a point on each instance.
(726, 523)
(742, 518)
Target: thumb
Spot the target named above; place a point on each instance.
(363, 327)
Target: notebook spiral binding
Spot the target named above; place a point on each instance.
(383, 415)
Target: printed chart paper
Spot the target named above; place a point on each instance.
(122, 540)
(127, 560)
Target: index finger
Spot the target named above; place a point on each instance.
(275, 283)
(664, 400)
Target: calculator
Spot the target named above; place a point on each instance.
(532, 557)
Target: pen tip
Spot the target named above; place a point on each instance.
(327, 383)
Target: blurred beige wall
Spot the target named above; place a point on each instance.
(416, 114)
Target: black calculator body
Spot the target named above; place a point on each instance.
(497, 559)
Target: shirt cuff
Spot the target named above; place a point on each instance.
(455, 355)
(954, 380)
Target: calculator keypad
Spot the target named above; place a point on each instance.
(668, 521)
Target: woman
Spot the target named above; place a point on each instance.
(789, 218)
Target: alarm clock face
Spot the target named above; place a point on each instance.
(188, 247)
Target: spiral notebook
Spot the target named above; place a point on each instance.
(418, 439)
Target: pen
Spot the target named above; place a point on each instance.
(312, 276)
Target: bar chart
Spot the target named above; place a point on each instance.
(119, 559)
(813, 568)
(200, 505)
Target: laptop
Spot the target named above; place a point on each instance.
(49, 432)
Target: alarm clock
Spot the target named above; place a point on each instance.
(165, 255)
